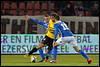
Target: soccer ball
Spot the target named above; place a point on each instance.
(33, 59)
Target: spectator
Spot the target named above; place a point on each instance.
(66, 8)
(95, 10)
(69, 10)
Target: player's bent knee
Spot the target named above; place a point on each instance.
(76, 48)
(41, 45)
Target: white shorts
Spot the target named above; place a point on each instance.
(69, 39)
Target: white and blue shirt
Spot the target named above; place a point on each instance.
(61, 27)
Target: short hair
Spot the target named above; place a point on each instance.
(53, 14)
(56, 16)
(46, 15)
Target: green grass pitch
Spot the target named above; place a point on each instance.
(62, 60)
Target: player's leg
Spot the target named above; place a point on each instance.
(50, 47)
(41, 44)
(83, 54)
(55, 52)
(58, 42)
(46, 41)
(36, 48)
(77, 49)
(48, 53)
(41, 54)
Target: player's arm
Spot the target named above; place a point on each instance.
(45, 25)
(55, 31)
(40, 22)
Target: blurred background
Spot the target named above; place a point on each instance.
(63, 8)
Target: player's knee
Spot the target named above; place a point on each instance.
(41, 45)
(76, 48)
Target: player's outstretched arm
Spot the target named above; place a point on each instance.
(42, 23)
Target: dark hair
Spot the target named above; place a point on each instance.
(46, 15)
(56, 16)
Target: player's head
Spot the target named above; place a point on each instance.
(46, 17)
(52, 16)
(56, 17)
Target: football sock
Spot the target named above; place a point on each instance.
(33, 50)
(84, 54)
(55, 52)
(41, 53)
(48, 55)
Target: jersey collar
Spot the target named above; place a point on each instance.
(58, 21)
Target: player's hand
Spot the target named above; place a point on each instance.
(54, 44)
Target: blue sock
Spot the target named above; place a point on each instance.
(50, 52)
(41, 53)
(55, 52)
(84, 54)
(48, 55)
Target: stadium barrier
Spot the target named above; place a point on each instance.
(78, 25)
(23, 43)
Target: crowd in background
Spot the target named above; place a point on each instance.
(78, 8)
(64, 8)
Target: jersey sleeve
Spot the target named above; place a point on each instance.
(45, 25)
(55, 31)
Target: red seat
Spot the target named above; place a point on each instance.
(51, 6)
(87, 13)
(43, 12)
(21, 5)
(21, 12)
(3, 12)
(6, 5)
(30, 12)
(13, 5)
(36, 12)
(13, 12)
(37, 5)
(29, 5)
(44, 6)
